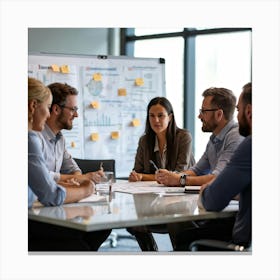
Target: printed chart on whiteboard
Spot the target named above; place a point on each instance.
(113, 96)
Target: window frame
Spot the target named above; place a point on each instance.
(128, 38)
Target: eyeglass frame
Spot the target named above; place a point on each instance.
(202, 111)
(72, 109)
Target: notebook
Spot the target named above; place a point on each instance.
(192, 189)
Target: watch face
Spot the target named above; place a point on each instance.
(183, 180)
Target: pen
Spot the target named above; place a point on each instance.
(101, 166)
(154, 165)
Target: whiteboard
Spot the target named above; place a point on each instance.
(114, 92)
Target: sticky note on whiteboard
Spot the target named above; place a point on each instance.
(122, 92)
(65, 69)
(115, 135)
(95, 104)
(73, 144)
(139, 82)
(135, 122)
(97, 77)
(55, 68)
(94, 136)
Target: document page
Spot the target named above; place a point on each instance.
(144, 187)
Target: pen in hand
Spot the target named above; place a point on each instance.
(101, 166)
(154, 165)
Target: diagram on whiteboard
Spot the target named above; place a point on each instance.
(113, 98)
(94, 87)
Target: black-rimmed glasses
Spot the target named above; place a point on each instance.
(72, 109)
(202, 111)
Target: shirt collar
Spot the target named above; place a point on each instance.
(156, 148)
(50, 135)
(220, 137)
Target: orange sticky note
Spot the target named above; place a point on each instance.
(55, 68)
(97, 77)
(121, 92)
(73, 144)
(115, 135)
(94, 136)
(95, 104)
(135, 122)
(64, 69)
(139, 81)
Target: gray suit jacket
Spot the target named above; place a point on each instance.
(182, 155)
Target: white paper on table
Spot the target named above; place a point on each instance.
(94, 198)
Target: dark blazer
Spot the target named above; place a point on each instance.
(182, 155)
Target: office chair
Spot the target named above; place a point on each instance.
(217, 245)
(90, 165)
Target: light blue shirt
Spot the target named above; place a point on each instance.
(219, 150)
(40, 183)
(57, 157)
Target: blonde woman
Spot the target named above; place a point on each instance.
(43, 236)
(40, 183)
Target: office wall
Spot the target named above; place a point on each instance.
(92, 41)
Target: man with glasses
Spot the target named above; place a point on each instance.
(62, 114)
(234, 180)
(216, 115)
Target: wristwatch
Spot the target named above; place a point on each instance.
(183, 180)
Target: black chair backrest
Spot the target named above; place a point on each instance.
(89, 165)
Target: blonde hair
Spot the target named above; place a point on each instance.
(37, 90)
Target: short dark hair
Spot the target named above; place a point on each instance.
(60, 92)
(223, 98)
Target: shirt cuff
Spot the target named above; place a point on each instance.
(55, 176)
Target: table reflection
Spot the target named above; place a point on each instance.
(148, 205)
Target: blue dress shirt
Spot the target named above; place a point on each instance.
(57, 157)
(40, 183)
(219, 150)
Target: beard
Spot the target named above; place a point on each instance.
(244, 128)
(208, 127)
(63, 123)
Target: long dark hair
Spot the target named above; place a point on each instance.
(172, 129)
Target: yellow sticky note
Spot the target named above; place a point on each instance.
(64, 69)
(55, 68)
(122, 92)
(73, 144)
(115, 135)
(97, 77)
(139, 81)
(94, 136)
(135, 122)
(95, 104)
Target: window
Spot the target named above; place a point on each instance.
(221, 60)
(173, 53)
(195, 60)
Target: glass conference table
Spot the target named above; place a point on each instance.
(129, 204)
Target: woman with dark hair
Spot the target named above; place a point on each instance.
(164, 143)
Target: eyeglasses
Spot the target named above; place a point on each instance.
(72, 109)
(202, 111)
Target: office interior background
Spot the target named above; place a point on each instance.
(263, 16)
(195, 59)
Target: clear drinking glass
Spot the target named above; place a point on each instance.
(107, 180)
